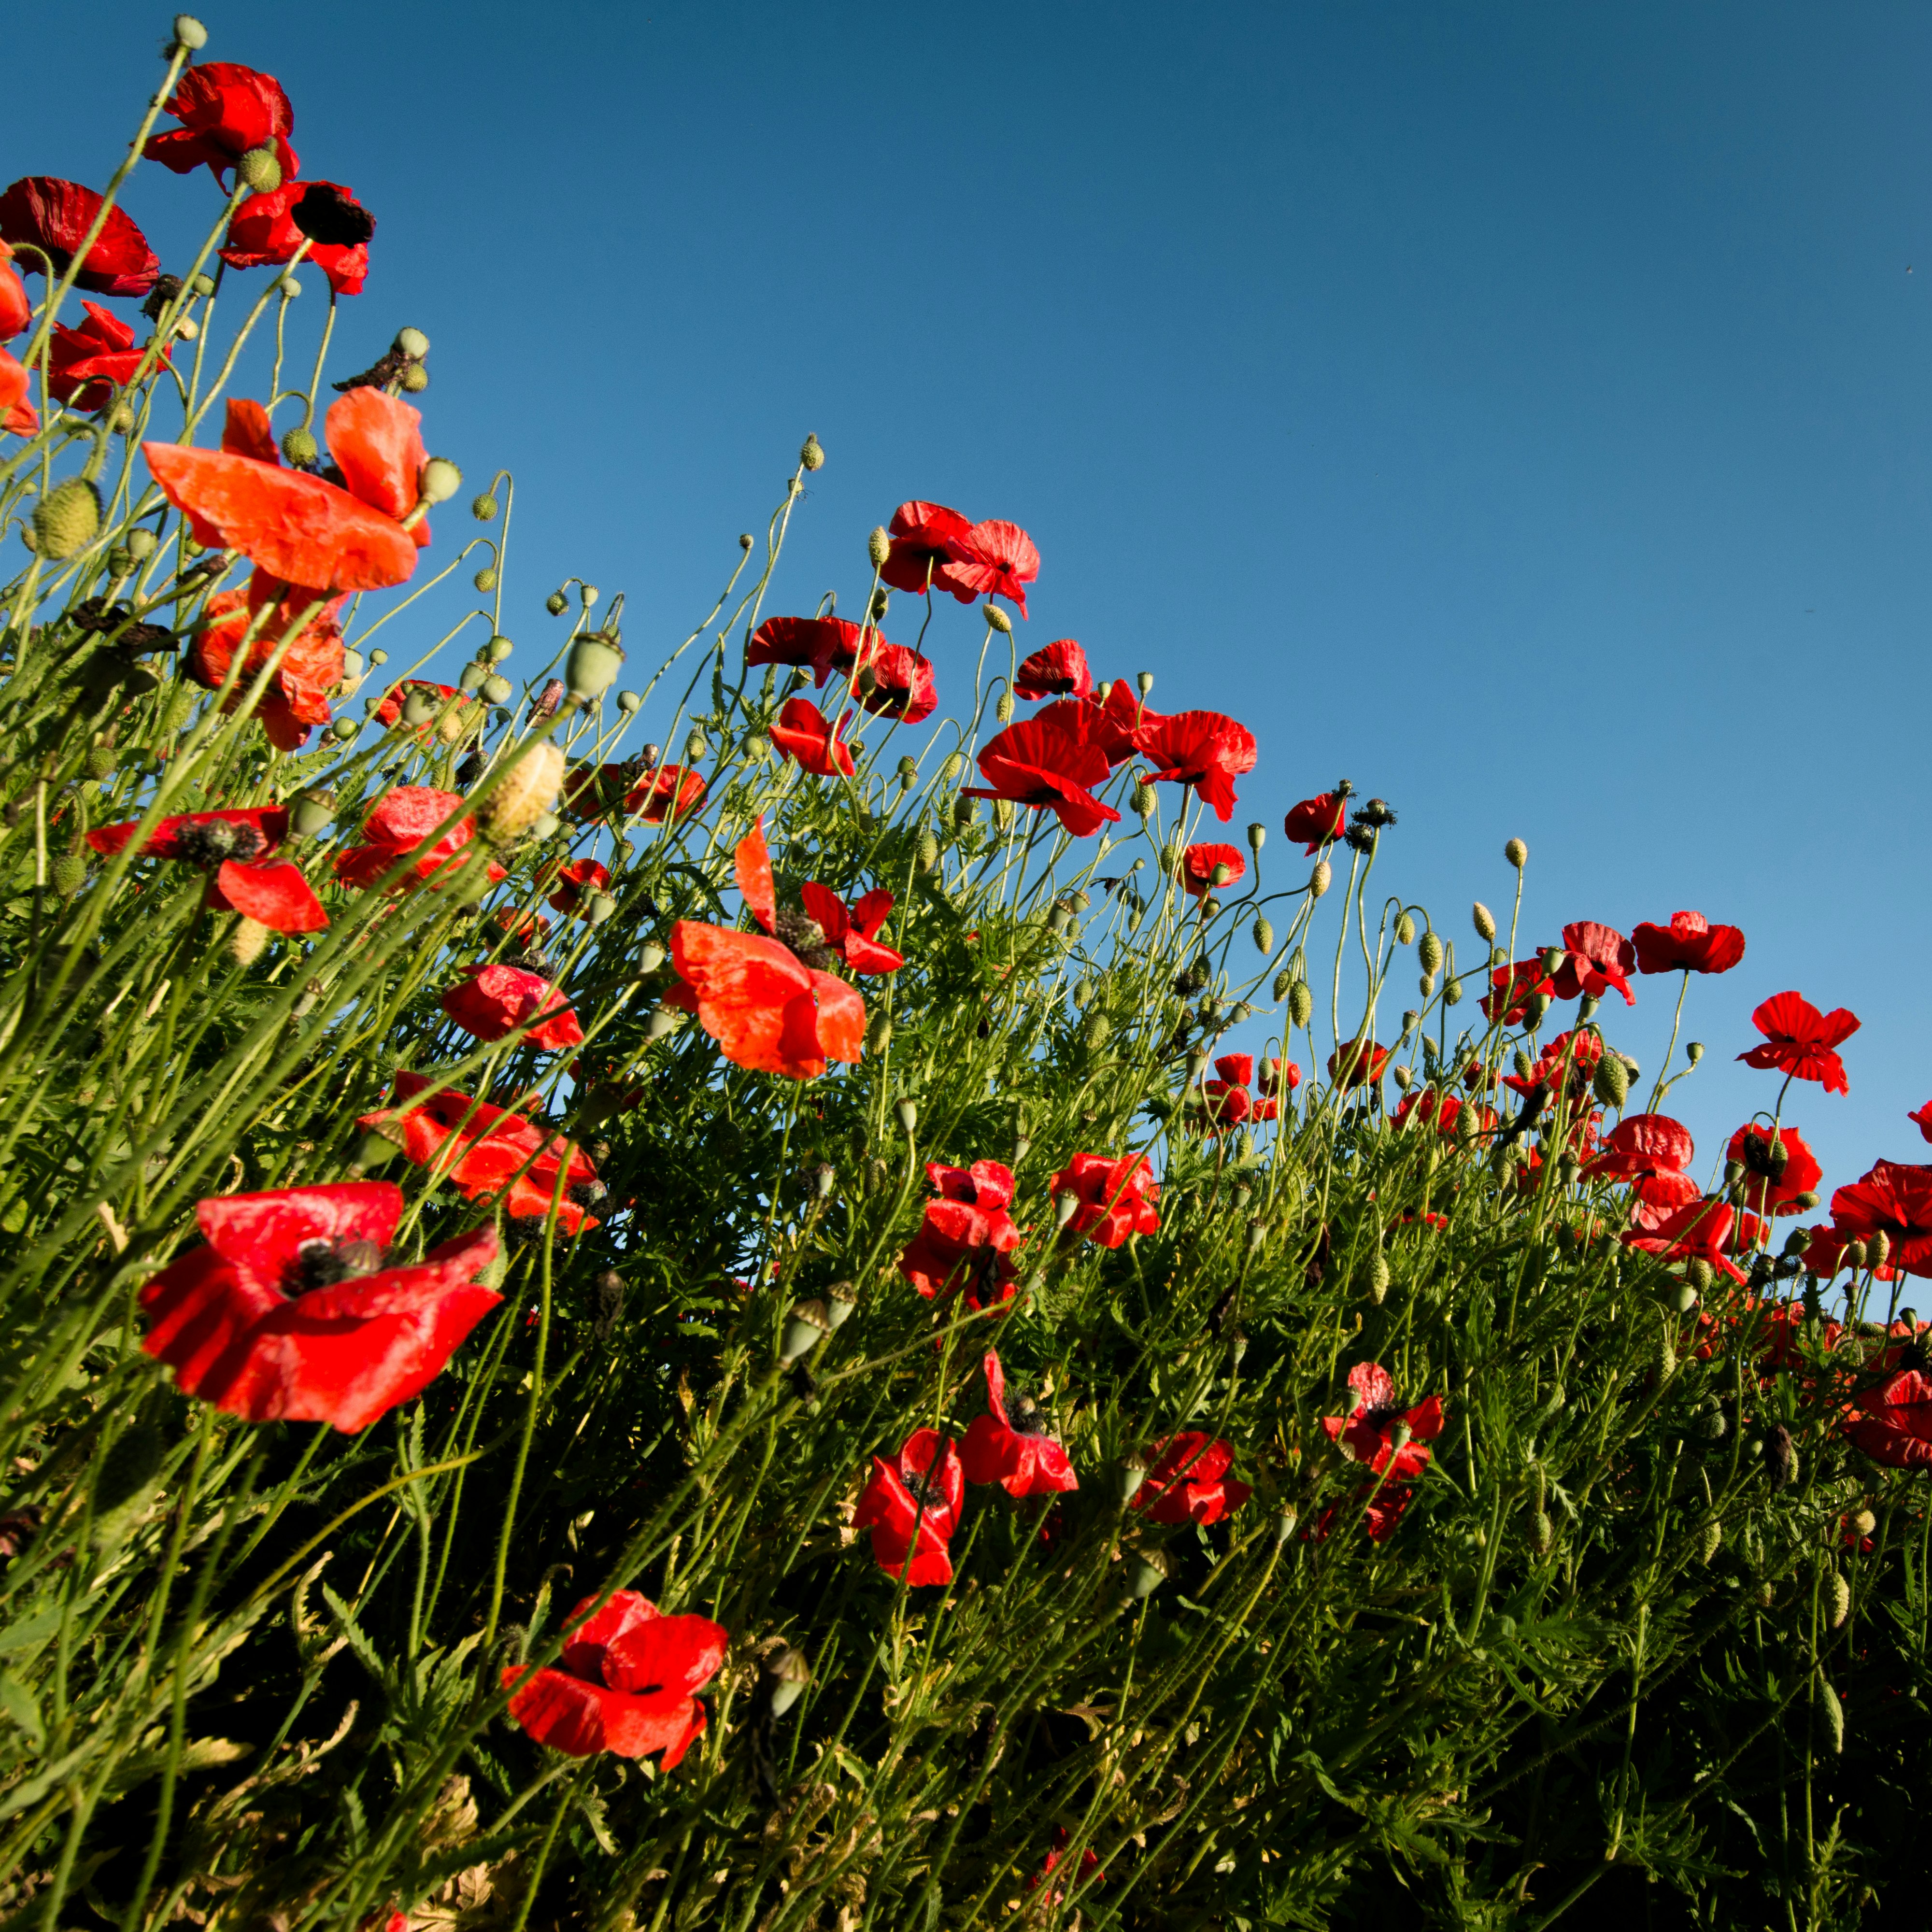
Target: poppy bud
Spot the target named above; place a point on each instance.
(1878, 1248)
(908, 1113)
(190, 33)
(1485, 922)
(485, 579)
(1146, 1573)
(879, 547)
(1517, 854)
(1586, 1007)
(1805, 1202)
(1319, 879)
(812, 453)
(66, 519)
(1697, 1273)
(1264, 934)
(1468, 1126)
(1143, 800)
(1542, 1531)
(1524, 1066)
(484, 508)
(929, 851)
(997, 618)
(1379, 1285)
(246, 941)
(1569, 1170)
(1611, 1081)
(1300, 1004)
(68, 874)
(695, 748)
(439, 480)
(557, 603)
(596, 658)
(260, 170)
(1839, 1593)
(1003, 707)
(1780, 1457)
(964, 810)
(1694, 1051)
(804, 1327)
(786, 1674)
(1404, 1078)
(1710, 1539)
(413, 380)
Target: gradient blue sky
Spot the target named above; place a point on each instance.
(1522, 410)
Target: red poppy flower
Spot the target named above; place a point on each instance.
(901, 683)
(1012, 1448)
(1700, 1231)
(225, 109)
(920, 532)
(1108, 722)
(911, 1505)
(483, 1150)
(233, 848)
(1386, 1505)
(1057, 670)
(402, 819)
(298, 694)
(490, 1001)
(991, 559)
(821, 645)
(1769, 1187)
(1199, 864)
(18, 417)
(1653, 1153)
(1280, 1076)
(1320, 820)
(764, 1007)
(1516, 986)
(1032, 763)
(1825, 1254)
(1116, 1198)
(964, 1229)
(295, 525)
(1089, 1867)
(623, 1683)
(1366, 1432)
(1595, 958)
(1799, 1039)
(1568, 1062)
(1894, 1426)
(1894, 1199)
(267, 230)
(1358, 1063)
(44, 212)
(1430, 1103)
(1226, 1100)
(292, 1313)
(530, 927)
(805, 733)
(665, 792)
(86, 365)
(389, 710)
(16, 310)
(1201, 748)
(853, 935)
(1689, 943)
(576, 881)
(1922, 1120)
(1187, 1480)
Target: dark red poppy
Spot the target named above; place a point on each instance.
(1893, 1426)
(43, 212)
(576, 882)
(820, 645)
(991, 559)
(764, 1007)
(86, 365)
(18, 417)
(1922, 1120)
(1201, 748)
(233, 848)
(911, 1506)
(1115, 1197)
(297, 697)
(225, 109)
(624, 1682)
(1199, 863)
(1358, 1063)
(920, 532)
(1385, 1506)
(901, 686)
(1799, 1039)
(16, 310)
(1320, 820)
(803, 732)
(1689, 943)
(665, 793)
(1894, 1199)
(1700, 1231)
(295, 1313)
(1367, 1433)
(267, 230)
(490, 1001)
(1011, 1447)
(1187, 1480)
(1595, 959)
(963, 1229)
(1772, 1186)
(853, 935)
(1516, 986)
(295, 525)
(1033, 764)
(402, 819)
(486, 1152)
(1057, 670)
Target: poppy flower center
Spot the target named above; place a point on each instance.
(1758, 1158)
(588, 1193)
(324, 1263)
(218, 840)
(1381, 1419)
(1023, 1418)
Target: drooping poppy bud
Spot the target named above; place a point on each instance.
(66, 519)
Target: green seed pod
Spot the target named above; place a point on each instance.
(1484, 921)
(312, 811)
(596, 658)
(66, 519)
(470, 680)
(1146, 1570)
(141, 542)
(485, 579)
(288, 286)
(498, 689)
(1264, 934)
(1694, 1051)
(1533, 1009)
(598, 907)
(1257, 837)
(190, 33)
(1429, 954)
(484, 508)
(1405, 930)
(929, 851)
(68, 874)
(412, 343)
(812, 453)
(879, 547)
(1300, 1004)
(259, 171)
(120, 563)
(343, 729)
(438, 480)
(1611, 1081)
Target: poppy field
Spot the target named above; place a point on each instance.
(777, 1278)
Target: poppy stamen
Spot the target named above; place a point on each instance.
(212, 843)
(323, 1263)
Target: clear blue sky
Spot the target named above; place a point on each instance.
(1522, 410)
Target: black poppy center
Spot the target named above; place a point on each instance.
(330, 218)
(1760, 1160)
(1024, 1418)
(324, 1263)
(209, 845)
(588, 1193)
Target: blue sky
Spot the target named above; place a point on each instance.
(1521, 410)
